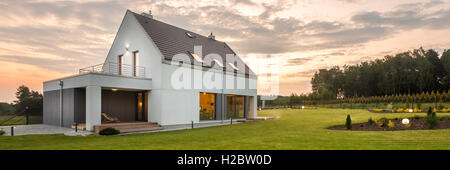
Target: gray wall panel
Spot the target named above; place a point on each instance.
(68, 107)
(246, 106)
(52, 106)
(219, 106)
(80, 105)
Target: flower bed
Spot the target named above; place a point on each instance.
(415, 123)
(407, 110)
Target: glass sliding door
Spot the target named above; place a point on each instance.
(207, 106)
(235, 106)
(120, 64)
(142, 106)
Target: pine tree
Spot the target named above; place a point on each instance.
(348, 122)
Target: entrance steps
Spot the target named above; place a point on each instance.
(125, 127)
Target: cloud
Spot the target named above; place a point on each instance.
(301, 74)
(297, 61)
(407, 17)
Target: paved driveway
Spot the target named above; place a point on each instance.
(35, 129)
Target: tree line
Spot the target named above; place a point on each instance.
(409, 99)
(28, 102)
(411, 72)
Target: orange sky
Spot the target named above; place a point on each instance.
(49, 39)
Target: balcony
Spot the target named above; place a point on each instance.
(115, 69)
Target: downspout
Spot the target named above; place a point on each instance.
(223, 96)
(61, 83)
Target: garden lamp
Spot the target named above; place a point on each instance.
(405, 121)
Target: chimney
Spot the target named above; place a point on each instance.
(149, 14)
(212, 36)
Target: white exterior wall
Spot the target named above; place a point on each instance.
(133, 36)
(93, 107)
(185, 102)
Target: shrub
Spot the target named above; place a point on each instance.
(383, 122)
(391, 124)
(109, 131)
(440, 107)
(429, 112)
(416, 117)
(2, 132)
(419, 105)
(348, 122)
(431, 119)
(371, 121)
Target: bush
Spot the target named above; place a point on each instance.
(416, 117)
(440, 107)
(2, 132)
(348, 122)
(431, 119)
(383, 122)
(109, 131)
(371, 122)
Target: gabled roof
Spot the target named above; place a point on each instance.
(172, 40)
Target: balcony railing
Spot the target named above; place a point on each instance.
(115, 69)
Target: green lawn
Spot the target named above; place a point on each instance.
(293, 129)
(19, 120)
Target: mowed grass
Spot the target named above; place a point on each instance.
(293, 129)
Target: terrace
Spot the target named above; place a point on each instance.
(115, 69)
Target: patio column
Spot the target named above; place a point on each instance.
(252, 111)
(93, 107)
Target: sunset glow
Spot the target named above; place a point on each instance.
(44, 40)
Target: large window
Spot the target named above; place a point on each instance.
(207, 106)
(135, 63)
(235, 106)
(120, 64)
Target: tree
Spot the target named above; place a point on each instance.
(431, 118)
(438, 70)
(445, 60)
(348, 122)
(408, 72)
(28, 101)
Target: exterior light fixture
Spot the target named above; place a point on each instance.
(12, 130)
(127, 46)
(114, 89)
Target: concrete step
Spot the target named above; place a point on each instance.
(129, 127)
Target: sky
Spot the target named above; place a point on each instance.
(42, 39)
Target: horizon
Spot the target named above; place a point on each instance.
(49, 39)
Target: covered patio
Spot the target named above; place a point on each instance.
(92, 99)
